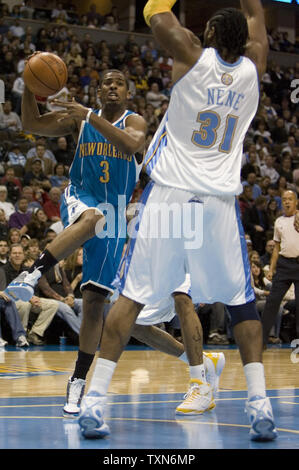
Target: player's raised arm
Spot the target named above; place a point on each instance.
(258, 46)
(48, 124)
(170, 34)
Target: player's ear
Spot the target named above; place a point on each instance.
(129, 95)
(211, 34)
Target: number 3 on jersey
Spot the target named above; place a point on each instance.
(105, 169)
(207, 134)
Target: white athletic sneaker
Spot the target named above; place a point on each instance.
(74, 395)
(214, 364)
(22, 287)
(2, 342)
(22, 342)
(91, 417)
(197, 400)
(259, 411)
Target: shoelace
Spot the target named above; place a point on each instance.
(193, 392)
(75, 392)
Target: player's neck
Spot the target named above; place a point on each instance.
(227, 57)
(112, 113)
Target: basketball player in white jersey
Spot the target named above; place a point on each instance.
(194, 162)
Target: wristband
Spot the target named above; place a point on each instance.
(88, 116)
(153, 7)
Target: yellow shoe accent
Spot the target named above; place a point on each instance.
(197, 400)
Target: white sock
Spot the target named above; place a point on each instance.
(102, 376)
(255, 378)
(183, 357)
(198, 373)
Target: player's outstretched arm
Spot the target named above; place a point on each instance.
(129, 140)
(181, 44)
(258, 46)
(48, 124)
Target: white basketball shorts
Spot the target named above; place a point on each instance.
(178, 232)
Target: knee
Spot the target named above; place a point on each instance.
(93, 305)
(92, 222)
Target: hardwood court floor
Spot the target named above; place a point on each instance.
(146, 388)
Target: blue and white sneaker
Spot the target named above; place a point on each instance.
(22, 287)
(74, 394)
(259, 411)
(91, 417)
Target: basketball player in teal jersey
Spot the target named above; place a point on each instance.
(104, 167)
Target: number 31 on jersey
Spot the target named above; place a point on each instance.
(207, 135)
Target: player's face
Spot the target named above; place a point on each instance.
(114, 89)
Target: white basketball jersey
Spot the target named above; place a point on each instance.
(199, 144)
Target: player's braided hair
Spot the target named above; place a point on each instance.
(231, 30)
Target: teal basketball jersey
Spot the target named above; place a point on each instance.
(100, 168)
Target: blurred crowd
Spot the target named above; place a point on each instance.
(34, 170)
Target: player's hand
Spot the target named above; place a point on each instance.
(258, 228)
(4, 297)
(296, 221)
(73, 110)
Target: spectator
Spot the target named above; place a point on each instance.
(9, 120)
(245, 199)
(155, 77)
(267, 169)
(110, 24)
(17, 29)
(36, 173)
(59, 176)
(54, 285)
(14, 236)
(28, 193)
(8, 308)
(3, 252)
(284, 263)
(13, 185)
(279, 134)
(59, 13)
(22, 216)
(39, 152)
(251, 181)
(6, 206)
(63, 153)
(73, 270)
(16, 157)
(273, 212)
(266, 258)
(154, 96)
(255, 221)
(52, 207)
(262, 287)
(44, 308)
(252, 166)
(17, 92)
(32, 252)
(37, 225)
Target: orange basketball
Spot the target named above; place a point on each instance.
(45, 74)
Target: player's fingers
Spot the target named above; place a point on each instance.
(62, 117)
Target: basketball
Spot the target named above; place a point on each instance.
(45, 74)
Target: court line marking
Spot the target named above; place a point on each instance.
(114, 394)
(290, 402)
(149, 420)
(145, 402)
